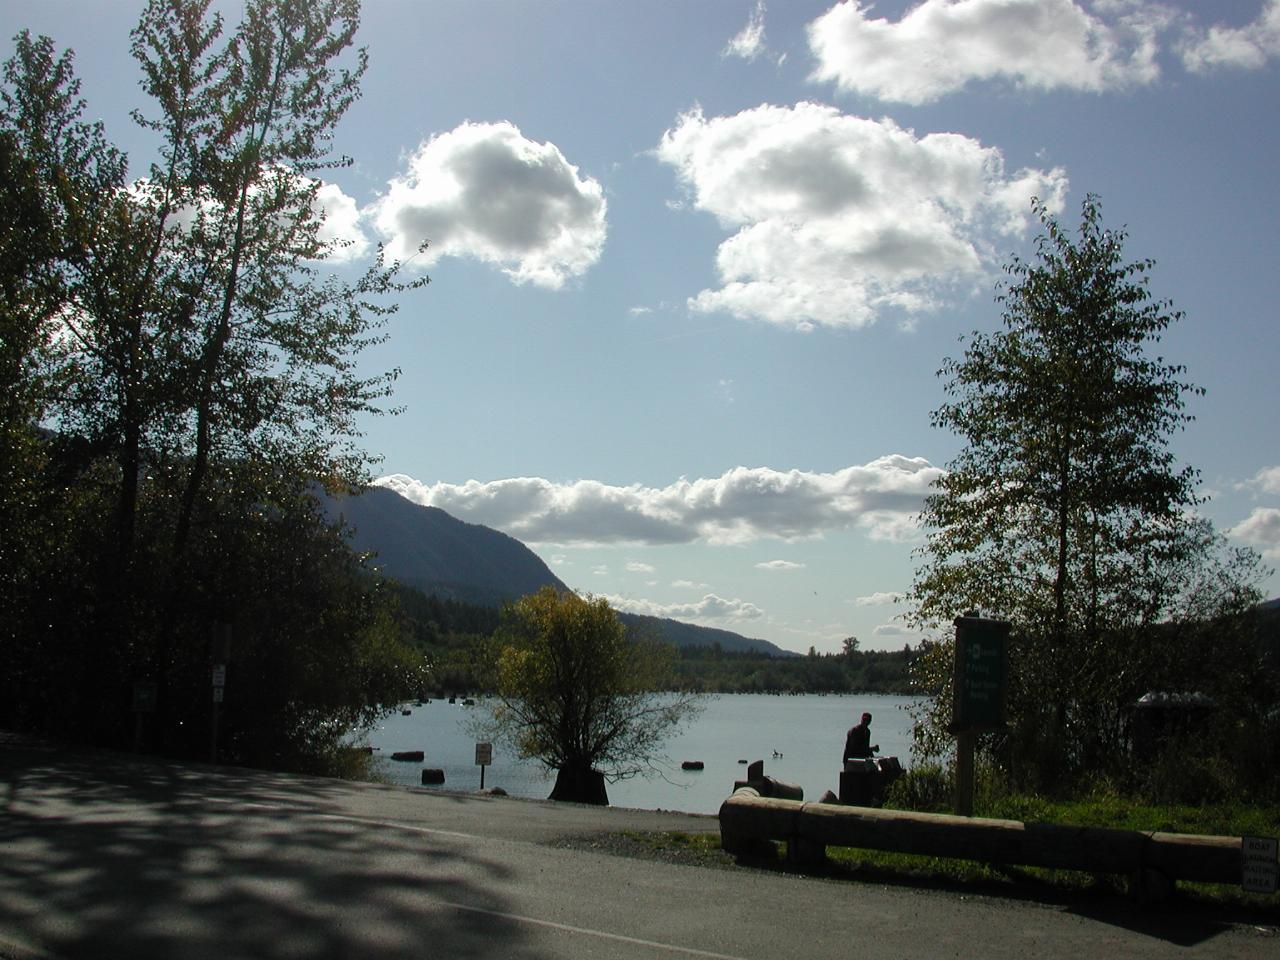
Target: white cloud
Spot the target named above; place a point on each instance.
(710, 607)
(483, 190)
(688, 585)
(340, 225)
(339, 219)
(840, 218)
(1261, 529)
(636, 566)
(749, 42)
(879, 599)
(894, 631)
(744, 504)
(640, 311)
(1267, 480)
(1249, 47)
(939, 46)
(779, 565)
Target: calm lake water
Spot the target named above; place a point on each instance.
(799, 738)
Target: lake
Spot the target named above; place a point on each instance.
(799, 738)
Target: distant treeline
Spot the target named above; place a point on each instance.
(713, 670)
(448, 632)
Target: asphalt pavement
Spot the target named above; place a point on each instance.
(110, 856)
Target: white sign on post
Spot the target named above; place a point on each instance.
(220, 675)
(1259, 867)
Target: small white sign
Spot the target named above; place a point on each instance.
(217, 694)
(1259, 869)
(220, 675)
(484, 754)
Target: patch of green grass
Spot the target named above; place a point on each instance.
(674, 841)
(1110, 810)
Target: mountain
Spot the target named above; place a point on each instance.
(438, 554)
(429, 550)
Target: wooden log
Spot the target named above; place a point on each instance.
(1195, 857)
(748, 817)
(749, 823)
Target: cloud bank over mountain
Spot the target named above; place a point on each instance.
(744, 504)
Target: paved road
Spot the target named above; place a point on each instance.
(103, 856)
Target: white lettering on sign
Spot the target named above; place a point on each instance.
(1259, 869)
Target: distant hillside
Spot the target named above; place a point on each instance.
(426, 548)
(431, 551)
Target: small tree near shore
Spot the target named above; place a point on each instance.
(575, 691)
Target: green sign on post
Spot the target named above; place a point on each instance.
(981, 669)
(977, 694)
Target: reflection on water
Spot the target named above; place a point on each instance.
(799, 738)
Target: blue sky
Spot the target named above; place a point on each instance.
(695, 264)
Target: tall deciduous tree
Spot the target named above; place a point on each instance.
(574, 691)
(183, 333)
(1066, 510)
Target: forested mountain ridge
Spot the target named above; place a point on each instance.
(438, 554)
(431, 551)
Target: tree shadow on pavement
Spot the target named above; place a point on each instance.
(137, 864)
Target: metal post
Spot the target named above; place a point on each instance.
(964, 773)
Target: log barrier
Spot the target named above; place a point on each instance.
(1154, 861)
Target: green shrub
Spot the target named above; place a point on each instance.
(926, 788)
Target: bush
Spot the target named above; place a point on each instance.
(1181, 778)
(926, 788)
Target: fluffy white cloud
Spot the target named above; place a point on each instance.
(779, 565)
(688, 585)
(483, 190)
(879, 599)
(340, 225)
(749, 42)
(839, 218)
(710, 607)
(340, 220)
(940, 45)
(892, 631)
(1267, 480)
(744, 504)
(1248, 47)
(1262, 529)
(637, 566)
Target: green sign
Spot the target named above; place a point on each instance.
(980, 676)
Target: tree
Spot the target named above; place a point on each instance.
(1066, 511)
(179, 354)
(573, 690)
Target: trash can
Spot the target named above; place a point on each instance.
(857, 782)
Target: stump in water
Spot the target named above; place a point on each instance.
(580, 785)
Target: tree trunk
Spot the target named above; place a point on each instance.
(578, 783)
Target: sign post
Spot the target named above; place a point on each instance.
(219, 688)
(484, 757)
(979, 680)
(144, 701)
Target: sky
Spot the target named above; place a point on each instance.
(695, 265)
